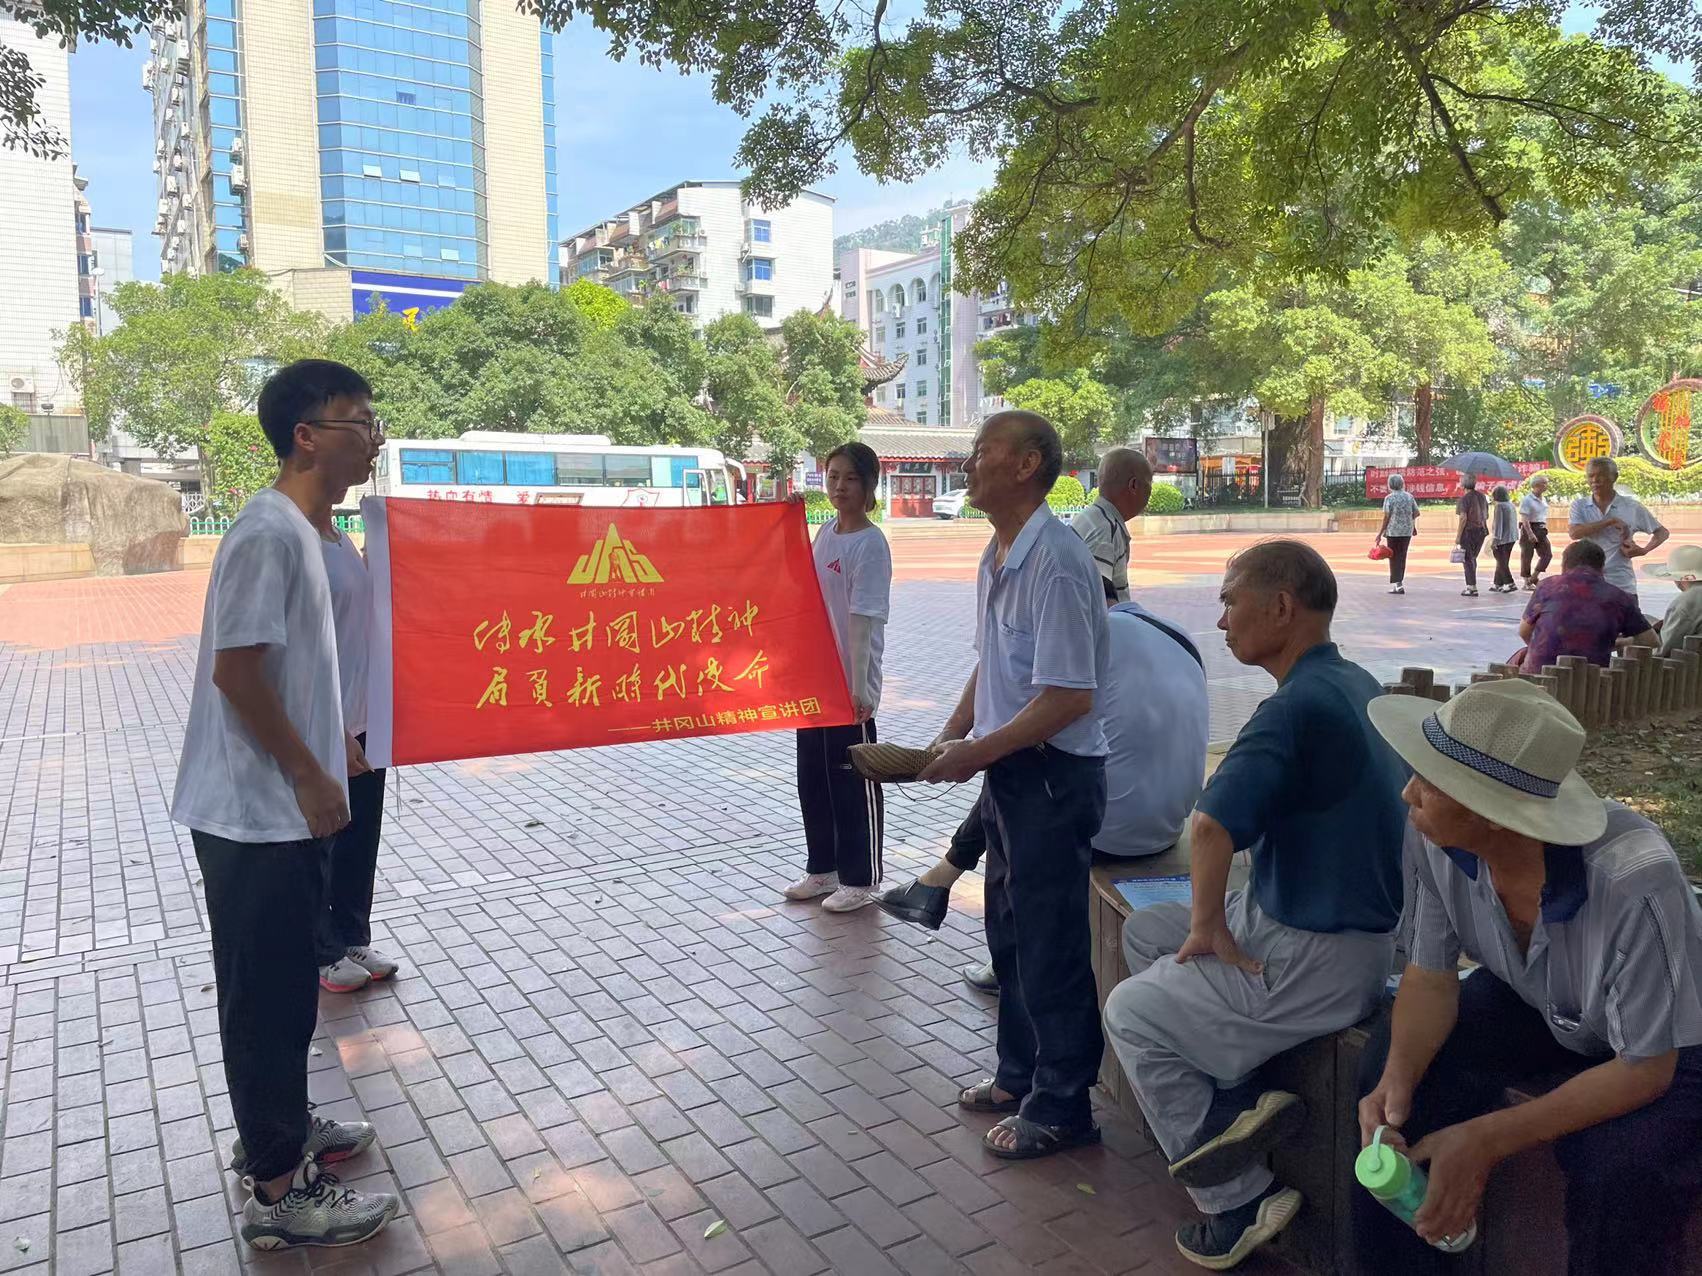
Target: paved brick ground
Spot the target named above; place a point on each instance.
(608, 1032)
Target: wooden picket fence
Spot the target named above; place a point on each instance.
(1638, 684)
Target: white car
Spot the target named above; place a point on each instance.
(950, 505)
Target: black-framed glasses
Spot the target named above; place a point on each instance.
(374, 428)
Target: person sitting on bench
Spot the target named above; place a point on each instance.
(1154, 711)
(1588, 942)
(1221, 985)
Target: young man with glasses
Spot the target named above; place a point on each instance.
(262, 786)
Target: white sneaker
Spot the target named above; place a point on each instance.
(848, 899)
(344, 975)
(317, 1210)
(1401, 587)
(1394, 589)
(373, 962)
(812, 885)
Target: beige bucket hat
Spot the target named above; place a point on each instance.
(1683, 563)
(1507, 751)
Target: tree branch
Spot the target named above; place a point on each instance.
(1439, 108)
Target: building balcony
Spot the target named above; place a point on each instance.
(757, 287)
(673, 245)
(682, 284)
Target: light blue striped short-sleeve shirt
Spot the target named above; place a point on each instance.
(1614, 957)
(1040, 622)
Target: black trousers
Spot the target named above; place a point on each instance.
(1471, 541)
(263, 904)
(1398, 546)
(844, 814)
(1503, 560)
(1041, 808)
(1630, 1182)
(351, 863)
(1537, 545)
(969, 843)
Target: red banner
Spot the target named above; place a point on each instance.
(505, 629)
(1433, 483)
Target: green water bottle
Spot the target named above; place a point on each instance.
(1400, 1185)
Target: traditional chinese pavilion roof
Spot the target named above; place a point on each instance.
(877, 371)
(895, 439)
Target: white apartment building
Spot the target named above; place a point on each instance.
(39, 288)
(713, 251)
(906, 306)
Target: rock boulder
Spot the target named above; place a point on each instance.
(131, 525)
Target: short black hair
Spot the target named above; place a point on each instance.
(1037, 434)
(298, 391)
(1583, 554)
(865, 462)
(1289, 565)
(1500, 493)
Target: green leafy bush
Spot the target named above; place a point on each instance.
(1067, 493)
(1166, 499)
(1636, 475)
(818, 509)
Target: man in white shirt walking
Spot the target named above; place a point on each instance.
(262, 787)
(1612, 519)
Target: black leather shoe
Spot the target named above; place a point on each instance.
(924, 905)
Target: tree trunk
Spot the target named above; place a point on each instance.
(1422, 403)
(1312, 493)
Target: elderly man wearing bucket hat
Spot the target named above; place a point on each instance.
(1684, 616)
(1588, 942)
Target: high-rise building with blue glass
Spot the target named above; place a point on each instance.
(357, 148)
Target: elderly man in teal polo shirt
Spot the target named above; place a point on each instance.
(1221, 985)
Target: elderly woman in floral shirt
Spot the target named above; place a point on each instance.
(1400, 524)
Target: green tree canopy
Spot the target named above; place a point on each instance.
(1080, 407)
(182, 351)
(1143, 149)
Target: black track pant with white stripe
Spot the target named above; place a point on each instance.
(844, 815)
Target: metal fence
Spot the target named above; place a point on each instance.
(352, 524)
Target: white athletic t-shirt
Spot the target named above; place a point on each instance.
(268, 588)
(351, 611)
(856, 580)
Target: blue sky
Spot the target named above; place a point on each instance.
(624, 132)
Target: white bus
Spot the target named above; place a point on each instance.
(553, 469)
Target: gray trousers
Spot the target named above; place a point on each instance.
(1181, 1030)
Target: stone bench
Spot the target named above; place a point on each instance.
(1519, 1229)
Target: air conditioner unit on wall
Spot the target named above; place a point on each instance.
(238, 177)
(22, 385)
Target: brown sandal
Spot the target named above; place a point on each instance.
(979, 1098)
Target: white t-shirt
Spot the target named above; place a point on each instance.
(1533, 508)
(351, 610)
(856, 580)
(268, 588)
(1155, 713)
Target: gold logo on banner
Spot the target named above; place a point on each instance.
(613, 558)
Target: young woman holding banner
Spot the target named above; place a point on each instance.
(843, 813)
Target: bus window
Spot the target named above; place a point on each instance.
(384, 463)
(677, 467)
(478, 468)
(693, 487)
(579, 469)
(427, 465)
(718, 494)
(626, 471)
(530, 469)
